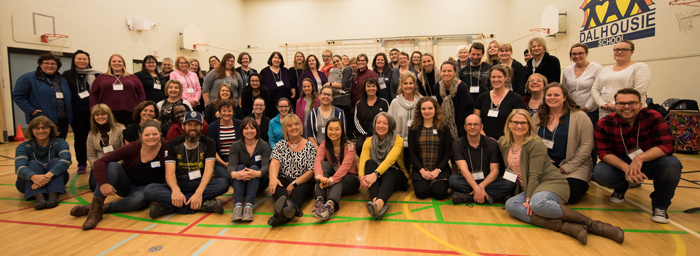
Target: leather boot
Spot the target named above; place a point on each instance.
(95, 213)
(596, 227)
(82, 210)
(40, 202)
(575, 230)
(291, 210)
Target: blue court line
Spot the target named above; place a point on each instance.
(117, 245)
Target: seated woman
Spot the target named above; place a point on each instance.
(260, 118)
(308, 100)
(105, 136)
(335, 170)
(381, 167)
(291, 171)
(143, 111)
(176, 129)
(568, 134)
(128, 179)
(173, 89)
(211, 112)
(319, 116)
(224, 132)
(248, 165)
(275, 132)
(545, 191)
(535, 93)
(41, 164)
(430, 149)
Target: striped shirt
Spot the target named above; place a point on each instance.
(227, 135)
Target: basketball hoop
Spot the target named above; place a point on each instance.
(684, 10)
(543, 31)
(197, 46)
(56, 42)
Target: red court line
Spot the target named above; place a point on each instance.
(395, 249)
(17, 210)
(194, 223)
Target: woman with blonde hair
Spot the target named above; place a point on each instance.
(104, 137)
(519, 77)
(402, 108)
(192, 90)
(462, 57)
(117, 89)
(542, 62)
(492, 53)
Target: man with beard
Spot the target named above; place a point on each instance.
(476, 74)
(189, 165)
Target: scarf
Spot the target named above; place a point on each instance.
(90, 74)
(447, 106)
(380, 149)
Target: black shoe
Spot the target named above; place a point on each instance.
(660, 216)
(290, 210)
(459, 198)
(276, 220)
(489, 199)
(617, 197)
(381, 212)
(40, 201)
(213, 205)
(52, 201)
(158, 210)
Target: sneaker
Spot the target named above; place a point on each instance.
(158, 210)
(213, 205)
(318, 205)
(617, 197)
(82, 169)
(660, 216)
(247, 213)
(327, 211)
(237, 213)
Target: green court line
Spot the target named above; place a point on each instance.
(7, 184)
(14, 199)
(365, 200)
(655, 231)
(150, 220)
(438, 212)
(73, 191)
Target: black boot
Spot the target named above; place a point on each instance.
(40, 201)
(279, 218)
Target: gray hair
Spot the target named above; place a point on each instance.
(168, 59)
(389, 118)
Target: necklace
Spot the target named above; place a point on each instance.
(512, 151)
(293, 145)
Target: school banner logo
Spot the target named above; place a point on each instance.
(607, 22)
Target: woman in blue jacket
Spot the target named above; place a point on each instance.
(274, 132)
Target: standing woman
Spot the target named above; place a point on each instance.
(192, 91)
(211, 113)
(260, 118)
(428, 76)
(275, 132)
(568, 136)
(276, 79)
(327, 57)
(454, 99)
(544, 189)
(252, 91)
(416, 57)
(142, 112)
(249, 164)
(45, 92)
(495, 106)
(462, 57)
(224, 132)
(340, 79)
(291, 172)
(308, 100)
(346, 60)
(395, 76)
(579, 79)
(366, 109)
(153, 83)
(381, 168)
(173, 88)
(311, 71)
(118, 89)
(383, 71)
(213, 62)
(624, 74)
(80, 77)
(319, 116)
(402, 108)
(353, 64)
(104, 137)
(295, 72)
(519, 77)
(535, 93)
(430, 149)
(492, 53)
(197, 70)
(142, 163)
(224, 74)
(41, 164)
(335, 170)
(245, 70)
(542, 62)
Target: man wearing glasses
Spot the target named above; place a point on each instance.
(631, 154)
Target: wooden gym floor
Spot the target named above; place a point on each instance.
(412, 226)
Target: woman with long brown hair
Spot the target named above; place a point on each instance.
(225, 73)
(430, 149)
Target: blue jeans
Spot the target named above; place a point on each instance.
(133, 197)
(665, 171)
(57, 183)
(161, 193)
(249, 187)
(544, 204)
(221, 172)
(498, 189)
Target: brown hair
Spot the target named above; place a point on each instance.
(438, 119)
(41, 120)
(227, 103)
(221, 69)
(314, 93)
(240, 56)
(569, 105)
(51, 56)
(199, 68)
(218, 94)
(527, 84)
(629, 91)
(386, 68)
(272, 55)
(167, 85)
(111, 121)
(306, 62)
(136, 116)
(249, 121)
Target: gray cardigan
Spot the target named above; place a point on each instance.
(212, 83)
(579, 145)
(238, 155)
(538, 172)
(94, 150)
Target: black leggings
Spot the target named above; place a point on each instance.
(578, 189)
(436, 188)
(81, 128)
(299, 194)
(393, 179)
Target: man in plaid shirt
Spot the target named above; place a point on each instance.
(634, 144)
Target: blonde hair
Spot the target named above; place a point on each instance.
(496, 60)
(111, 121)
(402, 79)
(508, 136)
(110, 72)
(177, 62)
(539, 40)
(544, 81)
(286, 122)
(167, 85)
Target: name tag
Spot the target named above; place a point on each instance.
(410, 121)
(107, 149)
(194, 174)
(156, 85)
(84, 94)
(280, 83)
(510, 176)
(478, 175)
(190, 90)
(548, 143)
(473, 89)
(165, 153)
(258, 158)
(323, 130)
(493, 113)
(382, 85)
(59, 95)
(635, 153)
(607, 90)
(434, 131)
(117, 87)
(155, 164)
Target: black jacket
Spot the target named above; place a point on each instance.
(444, 153)
(549, 67)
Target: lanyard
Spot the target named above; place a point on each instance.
(497, 107)
(555, 132)
(81, 86)
(623, 137)
(275, 77)
(117, 81)
(471, 162)
(188, 81)
(478, 77)
(188, 158)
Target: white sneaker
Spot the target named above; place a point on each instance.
(617, 197)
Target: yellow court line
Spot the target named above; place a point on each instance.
(407, 212)
(680, 245)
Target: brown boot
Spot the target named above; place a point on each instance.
(82, 210)
(95, 213)
(575, 230)
(596, 227)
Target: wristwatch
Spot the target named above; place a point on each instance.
(378, 174)
(295, 184)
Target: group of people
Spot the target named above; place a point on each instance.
(486, 129)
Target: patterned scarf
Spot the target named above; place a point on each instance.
(447, 106)
(380, 149)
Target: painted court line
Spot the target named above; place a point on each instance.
(117, 245)
(204, 247)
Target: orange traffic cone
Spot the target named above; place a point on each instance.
(19, 136)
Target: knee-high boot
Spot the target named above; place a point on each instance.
(575, 230)
(593, 226)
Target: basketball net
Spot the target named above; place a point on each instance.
(684, 10)
(543, 32)
(56, 42)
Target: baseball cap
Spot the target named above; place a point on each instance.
(193, 116)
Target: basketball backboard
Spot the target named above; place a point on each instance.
(31, 20)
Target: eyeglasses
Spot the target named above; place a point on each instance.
(325, 56)
(622, 104)
(622, 50)
(326, 94)
(578, 54)
(49, 63)
(516, 123)
(472, 125)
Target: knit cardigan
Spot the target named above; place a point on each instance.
(58, 148)
(94, 150)
(311, 131)
(579, 144)
(347, 165)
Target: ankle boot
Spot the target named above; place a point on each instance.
(52, 201)
(596, 227)
(95, 213)
(291, 210)
(575, 230)
(82, 210)
(40, 201)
